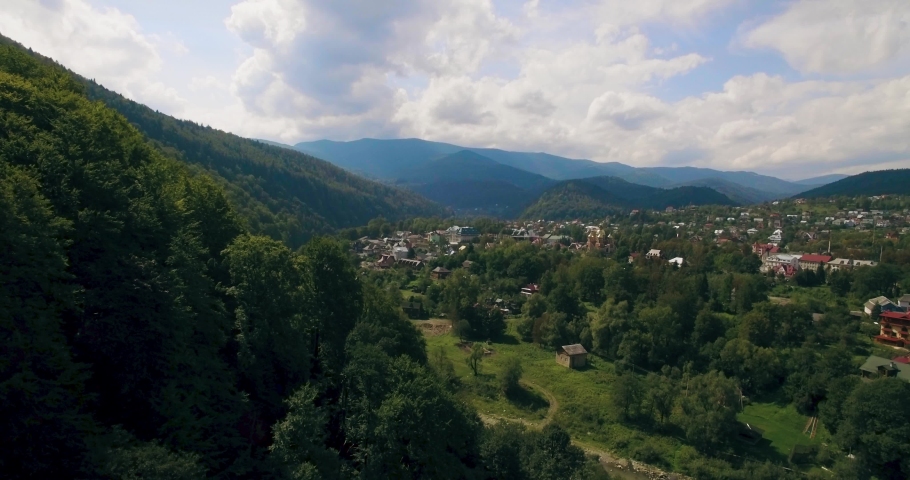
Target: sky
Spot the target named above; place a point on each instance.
(793, 88)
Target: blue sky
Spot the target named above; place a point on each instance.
(794, 88)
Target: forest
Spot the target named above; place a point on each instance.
(147, 333)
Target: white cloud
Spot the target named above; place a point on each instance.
(580, 79)
(837, 36)
(106, 45)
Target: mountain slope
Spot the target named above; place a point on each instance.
(883, 182)
(763, 183)
(468, 165)
(600, 196)
(561, 168)
(279, 192)
(382, 159)
(736, 192)
(497, 198)
(574, 199)
(816, 182)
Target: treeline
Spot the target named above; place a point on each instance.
(144, 333)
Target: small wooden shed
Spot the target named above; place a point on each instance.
(572, 356)
(439, 273)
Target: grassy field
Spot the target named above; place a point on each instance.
(584, 407)
(782, 425)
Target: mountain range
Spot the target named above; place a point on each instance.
(494, 181)
(440, 171)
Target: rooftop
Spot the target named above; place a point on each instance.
(873, 363)
(575, 349)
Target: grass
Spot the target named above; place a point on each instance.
(782, 425)
(584, 404)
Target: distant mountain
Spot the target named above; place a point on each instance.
(822, 180)
(497, 198)
(382, 159)
(600, 196)
(771, 185)
(573, 199)
(391, 160)
(736, 192)
(883, 182)
(277, 192)
(470, 166)
(561, 168)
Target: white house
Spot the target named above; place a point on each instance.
(904, 302)
(653, 253)
(880, 301)
(679, 262)
(776, 237)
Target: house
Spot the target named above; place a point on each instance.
(904, 302)
(458, 234)
(895, 328)
(572, 356)
(678, 261)
(764, 249)
(467, 264)
(864, 263)
(813, 262)
(882, 302)
(530, 289)
(877, 367)
(780, 260)
(840, 264)
(386, 261)
(439, 273)
(400, 252)
(633, 256)
(410, 263)
(776, 237)
(653, 253)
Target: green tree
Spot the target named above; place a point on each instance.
(660, 394)
(875, 427)
(709, 410)
(510, 376)
(475, 358)
(298, 440)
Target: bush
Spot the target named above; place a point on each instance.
(510, 376)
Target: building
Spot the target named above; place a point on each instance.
(877, 367)
(410, 263)
(530, 289)
(653, 253)
(772, 262)
(904, 302)
(458, 234)
(895, 328)
(813, 262)
(864, 263)
(678, 261)
(439, 273)
(776, 237)
(840, 264)
(400, 252)
(880, 301)
(572, 356)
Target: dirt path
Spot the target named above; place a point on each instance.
(607, 460)
(490, 419)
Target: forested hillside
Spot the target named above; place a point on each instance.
(601, 196)
(883, 182)
(278, 192)
(144, 333)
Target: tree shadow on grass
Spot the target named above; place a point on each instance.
(526, 399)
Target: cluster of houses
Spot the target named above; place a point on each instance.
(788, 264)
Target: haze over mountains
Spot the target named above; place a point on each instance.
(504, 182)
